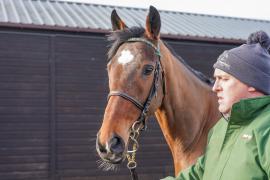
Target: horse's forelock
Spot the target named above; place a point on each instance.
(119, 37)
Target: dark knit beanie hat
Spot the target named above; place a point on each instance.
(249, 63)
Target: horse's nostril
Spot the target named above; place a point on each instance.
(101, 148)
(116, 145)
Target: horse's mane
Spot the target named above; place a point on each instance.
(117, 38)
(198, 74)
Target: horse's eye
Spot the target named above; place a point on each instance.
(147, 70)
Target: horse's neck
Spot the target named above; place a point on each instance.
(187, 113)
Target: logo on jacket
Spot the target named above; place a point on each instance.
(247, 136)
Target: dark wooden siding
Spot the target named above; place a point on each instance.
(53, 89)
(24, 106)
(81, 96)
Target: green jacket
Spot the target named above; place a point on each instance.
(238, 149)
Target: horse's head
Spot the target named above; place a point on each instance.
(134, 76)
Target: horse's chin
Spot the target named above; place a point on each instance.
(110, 164)
(110, 161)
(115, 160)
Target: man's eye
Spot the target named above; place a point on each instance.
(147, 70)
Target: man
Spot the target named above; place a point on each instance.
(239, 144)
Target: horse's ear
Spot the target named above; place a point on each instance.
(153, 23)
(117, 23)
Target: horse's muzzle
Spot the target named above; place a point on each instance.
(113, 151)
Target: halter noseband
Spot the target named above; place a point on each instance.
(139, 124)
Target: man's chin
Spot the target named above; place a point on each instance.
(223, 110)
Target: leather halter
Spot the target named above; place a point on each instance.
(153, 91)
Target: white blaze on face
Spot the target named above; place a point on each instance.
(125, 57)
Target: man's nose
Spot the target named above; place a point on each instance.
(215, 87)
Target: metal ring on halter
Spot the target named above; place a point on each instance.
(138, 127)
(131, 164)
(137, 147)
(134, 135)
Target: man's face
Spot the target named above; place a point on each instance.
(229, 90)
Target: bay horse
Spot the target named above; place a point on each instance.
(145, 78)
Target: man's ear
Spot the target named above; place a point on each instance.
(117, 22)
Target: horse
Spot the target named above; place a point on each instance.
(146, 78)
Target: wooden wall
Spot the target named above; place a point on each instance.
(24, 106)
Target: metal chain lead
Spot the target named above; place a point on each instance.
(132, 164)
(131, 154)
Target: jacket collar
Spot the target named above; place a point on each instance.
(247, 109)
